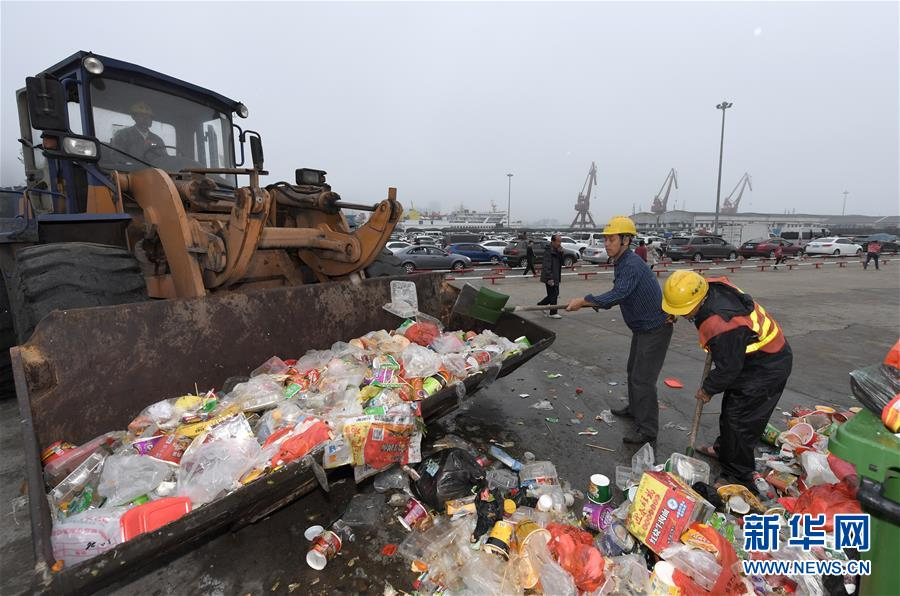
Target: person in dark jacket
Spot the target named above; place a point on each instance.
(637, 293)
(551, 273)
(752, 363)
(529, 258)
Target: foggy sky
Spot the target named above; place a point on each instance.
(443, 100)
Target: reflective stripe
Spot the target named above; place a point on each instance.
(764, 341)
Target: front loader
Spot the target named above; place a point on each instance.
(136, 189)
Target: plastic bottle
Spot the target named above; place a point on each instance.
(538, 473)
(762, 487)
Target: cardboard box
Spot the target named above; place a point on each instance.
(664, 507)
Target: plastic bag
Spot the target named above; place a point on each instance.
(419, 361)
(87, 534)
(575, 551)
(299, 440)
(700, 565)
(422, 332)
(272, 366)
(259, 393)
(216, 460)
(285, 414)
(446, 343)
(448, 474)
(126, 477)
(875, 386)
(642, 460)
(825, 498)
(817, 470)
(728, 583)
(379, 441)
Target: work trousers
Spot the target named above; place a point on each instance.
(529, 266)
(741, 424)
(871, 256)
(645, 361)
(552, 296)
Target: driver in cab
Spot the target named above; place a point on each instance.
(138, 141)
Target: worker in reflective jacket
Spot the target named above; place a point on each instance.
(752, 361)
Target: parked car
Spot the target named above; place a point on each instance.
(514, 254)
(656, 243)
(765, 247)
(496, 246)
(396, 246)
(570, 243)
(589, 238)
(476, 252)
(595, 254)
(424, 241)
(431, 257)
(834, 245)
(699, 248)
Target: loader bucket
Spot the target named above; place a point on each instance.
(85, 372)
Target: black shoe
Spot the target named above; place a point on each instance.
(622, 413)
(638, 439)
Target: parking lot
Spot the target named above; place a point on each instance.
(836, 320)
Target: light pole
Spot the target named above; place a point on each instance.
(722, 106)
(509, 201)
(844, 208)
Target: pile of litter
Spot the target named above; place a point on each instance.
(357, 403)
(488, 523)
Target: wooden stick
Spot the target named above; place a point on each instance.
(601, 447)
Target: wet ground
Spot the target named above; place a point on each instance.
(835, 319)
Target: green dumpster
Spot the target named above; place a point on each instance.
(875, 451)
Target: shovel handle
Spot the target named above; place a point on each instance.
(698, 410)
(536, 307)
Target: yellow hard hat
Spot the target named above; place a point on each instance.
(142, 107)
(683, 291)
(620, 225)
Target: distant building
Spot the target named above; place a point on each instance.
(690, 221)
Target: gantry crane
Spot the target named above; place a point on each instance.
(583, 205)
(661, 200)
(730, 205)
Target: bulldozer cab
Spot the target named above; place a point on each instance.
(122, 155)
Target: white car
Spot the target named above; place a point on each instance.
(595, 254)
(396, 246)
(589, 238)
(835, 245)
(570, 243)
(496, 246)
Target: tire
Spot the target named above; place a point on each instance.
(68, 275)
(457, 265)
(732, 256)
(385, 265)
(7, 340)
(697, 257)
(495, 260)
(859, 253)
(409, 268)
(568, 261)
(837, 252)
(523, 262)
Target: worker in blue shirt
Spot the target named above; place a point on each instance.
(638, 295)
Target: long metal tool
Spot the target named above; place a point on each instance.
(698, 411)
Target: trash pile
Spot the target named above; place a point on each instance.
(489, 523)
(357, 403)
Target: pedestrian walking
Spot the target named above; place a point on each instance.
(641, 250)
(752, 363)
(873, 252)
(551, 273)
(639, 297)
(529, 258)
(779, 255)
